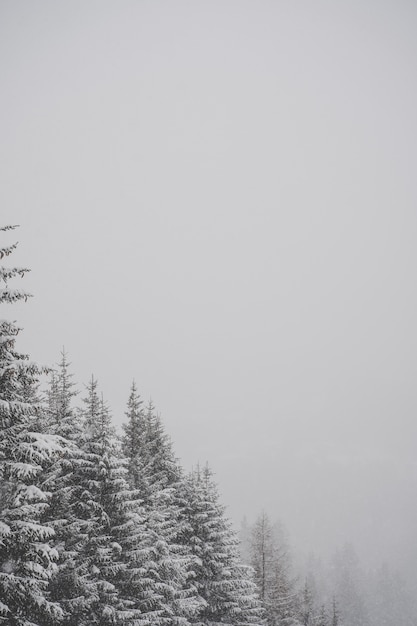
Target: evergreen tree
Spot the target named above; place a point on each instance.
(224, 584)
(63, 418)
(322, 617)
(349, 587)
(270, 561)
(134, 440)
(148, 449)
(307, 614)
(27, 558)
(64, 479)
(162, 467)
(335, 620)
(99, 482)
(122, 554)
(157, 476)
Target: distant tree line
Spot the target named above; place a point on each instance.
(103, 529)
(334, 593)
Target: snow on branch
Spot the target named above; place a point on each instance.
(5, 531)
(24, 470)
(6, 273)
(4, 609)
(13, 295)
(48, 445)
(8, 250)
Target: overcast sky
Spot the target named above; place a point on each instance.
(218, 199)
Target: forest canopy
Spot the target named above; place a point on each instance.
(103, 528)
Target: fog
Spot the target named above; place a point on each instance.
(218, 199)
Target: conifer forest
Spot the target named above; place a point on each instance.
(208, 291)
(98, 527)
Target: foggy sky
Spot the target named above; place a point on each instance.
(218, 199)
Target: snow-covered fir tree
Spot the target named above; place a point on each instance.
(27, 558)
(64, 480)
(134, 440)
(225, 585)
(100, 489)
(270, 560)
(151, 460)
(349, 587)
(156, 474)
(322, 617)
(335, 615)
(129, 565)
(307, 605)
(63, 418)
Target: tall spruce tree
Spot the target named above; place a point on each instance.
(151, 460)
(322, 618)
(64, 480)
(156, 474)
(269, 558)
(27, 558)
(349, 587)
(122, 551)
(100, 486)
(63, 417)
(134, 440)
(226, 587)
(307, 605)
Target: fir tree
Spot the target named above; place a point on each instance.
(121, 555)
(335, 620)
(148, 449)
(224, 584)
(64, 480)
(156, 474)
(322, 617)
(134, 439)
(98, 483)
(63, 418)
(307, 614)
(26, 554)
(269, 558)
(349, 587)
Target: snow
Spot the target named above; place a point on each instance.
(4, 530)
(4, 609)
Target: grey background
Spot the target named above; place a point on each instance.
(218, 199)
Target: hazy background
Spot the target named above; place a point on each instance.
(218, 198)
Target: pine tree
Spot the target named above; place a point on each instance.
(64, 480)
(134, 440)
(99, 483)
(307, 614)
(151, 460)
(157, 476)
(335, 620)
(322, 617)
(349, 587)
(26, 555)
(270, 561)
(162, 467)
(224, 584)
(122, 559)
(63, 418)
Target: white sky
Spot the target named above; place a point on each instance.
(218, 198)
